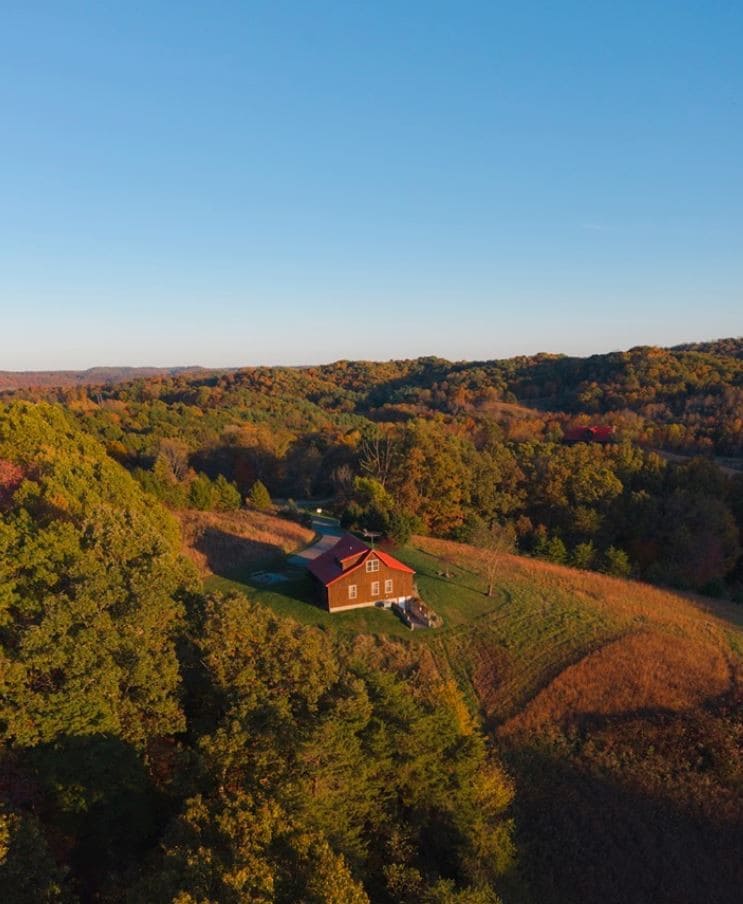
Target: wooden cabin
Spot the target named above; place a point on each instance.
(351, 575)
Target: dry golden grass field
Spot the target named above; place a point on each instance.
(223, 542)
(618, 709)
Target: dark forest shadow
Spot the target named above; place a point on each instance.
(98, 804)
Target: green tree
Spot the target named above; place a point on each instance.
(616, 562)
(201, 493)
(227, 496)
(401, 527)
(90, 585)
(556, 551)
(550, 548)
(259, 497)
(28, 872)
(583, 556)
(312, 759)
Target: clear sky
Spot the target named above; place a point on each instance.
(226, 183)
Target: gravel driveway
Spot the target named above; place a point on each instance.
(330, 532)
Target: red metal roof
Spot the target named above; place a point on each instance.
(588, 434)
(349, 554)
(392, 562)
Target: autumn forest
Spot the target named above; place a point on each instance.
(169, 735)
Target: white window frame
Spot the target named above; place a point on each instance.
(372, 565)
(375, 588)
(353, 591)
(388, 585)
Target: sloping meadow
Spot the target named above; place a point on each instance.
(617, 707)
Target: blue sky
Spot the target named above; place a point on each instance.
(294, 182)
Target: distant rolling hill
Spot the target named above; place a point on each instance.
(93, 376)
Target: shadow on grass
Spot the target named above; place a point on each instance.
(638, 807)
(228, 553)
(428, 567)
(291, 585)
(452, 583)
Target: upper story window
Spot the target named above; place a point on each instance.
(372, 565)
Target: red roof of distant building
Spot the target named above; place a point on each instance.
(589, 434)
(348, 554)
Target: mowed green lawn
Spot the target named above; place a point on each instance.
(458, 600)
(501, 650)
(294, 598)
(513, 643)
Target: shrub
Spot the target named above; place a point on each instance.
(616, 562)
(201, 493)
(401, 528)
(583, 556)
(259, 496)
(227, 495)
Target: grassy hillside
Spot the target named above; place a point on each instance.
(616, 705)
(502, 650)
(546, 617)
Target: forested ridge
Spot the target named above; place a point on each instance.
(160, 745)
(17, 379)
(687, 397)
(163, 742)
(451, 449)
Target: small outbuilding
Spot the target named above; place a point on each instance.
(589, 434)
(351, 575)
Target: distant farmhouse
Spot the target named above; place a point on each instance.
(589, 435)
(351, 575)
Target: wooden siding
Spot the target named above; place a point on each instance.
(337, 592)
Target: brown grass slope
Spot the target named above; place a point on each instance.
(228, 542)
(545, 618)
(618, 708)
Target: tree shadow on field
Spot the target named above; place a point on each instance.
(230, 554)
(606, 827)
(297, 586)
(458, 574)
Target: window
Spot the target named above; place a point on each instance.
(372, 565)
(375, 588)
(388, 586)
(353, 591)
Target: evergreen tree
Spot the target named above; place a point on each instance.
(227, 495)
(259, 497)
(583, 555)
(201, 494)
(616, 562)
